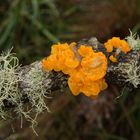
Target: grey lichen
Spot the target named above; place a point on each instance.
(8, 82)
(36, 93)
(131, 72)
(37, 90)
(11, 95)
(133, 41)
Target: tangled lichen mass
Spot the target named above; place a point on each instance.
(10, 94)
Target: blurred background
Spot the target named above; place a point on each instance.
(32, 26)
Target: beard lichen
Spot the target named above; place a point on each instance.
(36, 93)
(9, 79)
(131, 72)
(133, 41)
(10, 95)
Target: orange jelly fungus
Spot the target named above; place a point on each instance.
(113, 59)
(62, 58)
(79, 81)
(86, 68)
(117, 43)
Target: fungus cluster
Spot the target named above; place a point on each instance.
(119, 45)
(85, 67)
(62, 58)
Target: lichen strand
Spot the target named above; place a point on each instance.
(86, 68)
(9, 79)
(126, 73)
(35, 90)
(131, 72)
(10, 94)
(133, 41)
(117, 44)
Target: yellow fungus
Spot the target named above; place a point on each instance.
(116, 42)
(85, 50)
(86, 68)
(62, 58)
(119, 45)
(95, 65)
(113, 59)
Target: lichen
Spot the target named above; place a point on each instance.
(10, 95)
(131, 72)
(36, 94)
(8, 82)
(133, 41)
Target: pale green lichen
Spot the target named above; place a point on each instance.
(131, 72)
(8, 81)
(133, 41)
(36, 94)
(9, 89)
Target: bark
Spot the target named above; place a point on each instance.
(57, 80)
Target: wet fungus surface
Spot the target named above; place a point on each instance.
(85, 67)
(116, 45)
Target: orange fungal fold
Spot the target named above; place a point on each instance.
(85, 67)
(62, 58)
(116, 43)
(113, 59)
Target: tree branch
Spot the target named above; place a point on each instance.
(126, 72)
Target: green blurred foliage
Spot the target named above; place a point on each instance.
(30, 26)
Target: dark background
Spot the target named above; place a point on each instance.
(32, 26)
